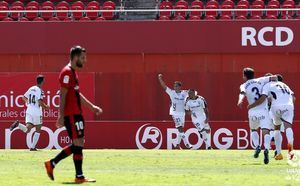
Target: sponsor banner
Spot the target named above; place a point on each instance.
(135, 135)
(265, 36)
(14, 85)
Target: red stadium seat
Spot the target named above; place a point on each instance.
(225, 17)
(196, 5)
(79, 3)
(92, 15)
(229, 3)
(256, 17)
(210, 17)
(4, 14)
(212, 12)
(270, 16)
(77, 15)
(7, 19)
(99, 19)
(289, 2)
(258, 12)
(298, 12)
(93, 3)
(47, 15)
(212, 2)
(4, 3)
(39, 19)
(23, 19)
(241, 17)
(274, 2)
(182, 2)
(63, 3)
(54, 19)
(244, 2)
(179, 17)
(164, 18)
(258, 2)
(108, 15)
(31, 15)
(17, 15)
(242, 13)
(85, 19)
(48, 3)
(272, 12)
(229, 13)
(182, 13)
(62, 15)
(68, 19)
(109, 3)
(195, 18)
(285, 13)
(18, 3)
(165, 5)
(33, 3)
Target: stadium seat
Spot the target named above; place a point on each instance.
(77, 15)
(17, 15)
(93, 3)
(17, 3)
(212, 12)
(7, 19)
(48, 3)
(109, 3)
(3, 14)
(212, 2)
(99, 19)
(68, 19)
(270, 16)
(54, 19)
(85, 19)
(195, 18)
(4, 3)
(229, 13)
(182, 2)
(108, 15)
(259, 2)
(164, 18)
(196, 5)
(32, 15)
(179, 17)
(92, 15)
(33, 3)
(210, 17)
(23, 19)
(241, 17)
(257, 13)
(62, 15)
(165, 5)
(63, 3)
(225, 17)
(274, 2)
(242, 13)
(181, 13)
(47, 15)
(79, 3)
(39, 19)
(229, 3)
(256, 17)
(244, 2)
(272, 12)
(289, 2)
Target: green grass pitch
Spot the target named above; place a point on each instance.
(149, 167)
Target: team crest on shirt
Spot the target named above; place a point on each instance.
(66, 79)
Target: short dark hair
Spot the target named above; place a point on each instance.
(76, 51)
(269, 74)
(178, 83)
(279, 77)
(40, 79)
(249, 73)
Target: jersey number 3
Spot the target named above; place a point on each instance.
(256, 91)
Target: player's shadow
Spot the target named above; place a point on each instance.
(69, 183)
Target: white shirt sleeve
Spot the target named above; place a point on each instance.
(266, 88)
(187, 107)
(242, 88)
(264, 80)
(169, 91)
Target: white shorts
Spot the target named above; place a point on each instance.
(200, 125)
(35, 120)
(259, 118)
(282, 113)
(178, 120)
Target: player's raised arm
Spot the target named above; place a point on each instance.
(161, 81)
(62, 102)
(97, 110)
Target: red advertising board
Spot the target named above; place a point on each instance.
(263, 36)
(14, 85)
(135, 135)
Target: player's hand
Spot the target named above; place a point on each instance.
(240, 104)
(97, 110)
(60, 122)
(47, 107)
(160, 76)
(249, 107)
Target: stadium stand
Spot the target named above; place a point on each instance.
(91, 10)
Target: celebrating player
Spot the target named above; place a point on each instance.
(197, 107)
(33, 99)
(70, 114)
(177, 111)
(282, 109)
(258, 116)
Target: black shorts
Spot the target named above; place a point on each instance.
(75, 126)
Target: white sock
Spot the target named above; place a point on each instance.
(278, 140)
(272, 134)
(205, 138)
(182, 136)
(36, 137)
(255, 138)
(208, 144)
(22, 127)
(179, 137)
(289, 135)
(267, 141)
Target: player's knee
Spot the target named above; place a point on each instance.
(79, 142)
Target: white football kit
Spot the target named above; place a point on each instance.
(258, 116)
(198, 116)
(177, 106)
(282, 107)
(34, 113)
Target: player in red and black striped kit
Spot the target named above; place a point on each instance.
(71, 114)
